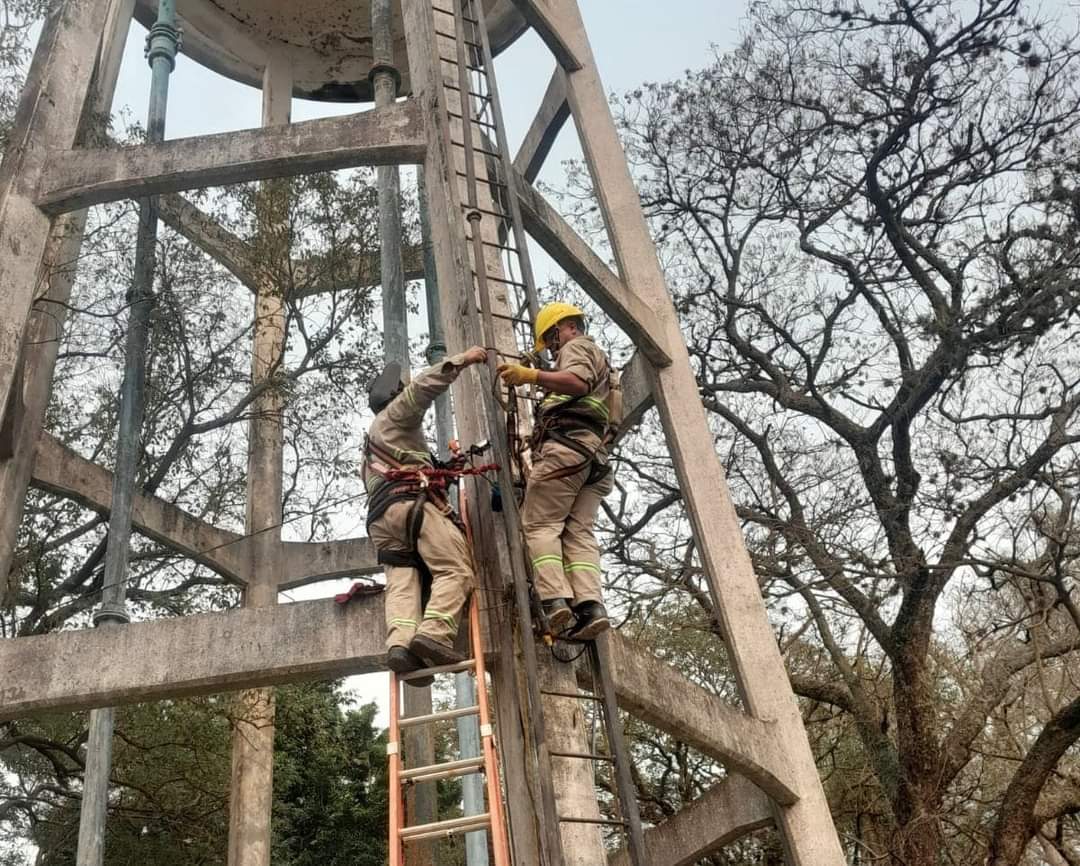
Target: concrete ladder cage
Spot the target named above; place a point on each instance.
(50, 175)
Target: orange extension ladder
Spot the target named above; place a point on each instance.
(487, 763)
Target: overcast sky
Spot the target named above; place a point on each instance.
(633, 40)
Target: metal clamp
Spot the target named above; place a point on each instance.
(380, 67)
(392, 748)
(163, 40)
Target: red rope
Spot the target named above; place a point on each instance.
(438, 477)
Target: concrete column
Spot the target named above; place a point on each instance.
(468, 728)
(66, 49)
(251, 798)
(809, 835)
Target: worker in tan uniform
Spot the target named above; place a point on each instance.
(414, 529)
(570, 476)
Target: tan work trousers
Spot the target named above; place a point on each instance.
(445, 551)
(558, 518)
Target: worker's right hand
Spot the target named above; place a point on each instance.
(516, 374)
(475, 355)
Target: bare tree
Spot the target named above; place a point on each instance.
(869, 214)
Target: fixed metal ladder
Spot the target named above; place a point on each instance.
(499, 256)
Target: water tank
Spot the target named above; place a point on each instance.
(328, 42)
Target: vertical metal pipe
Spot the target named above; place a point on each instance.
(472, 787)
(161, 47)
(385, 80)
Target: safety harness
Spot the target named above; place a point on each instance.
(418, 483)
(559, 421)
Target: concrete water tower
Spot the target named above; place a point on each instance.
(437, 54)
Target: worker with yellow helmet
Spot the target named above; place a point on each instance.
(570, 476)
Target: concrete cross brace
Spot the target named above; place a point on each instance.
(550, 29)
(545, 225)
(240, 259)
(58, 469)
(201, 654)
(552, 115)
(726, 812)
(79, 178)
(656, 693)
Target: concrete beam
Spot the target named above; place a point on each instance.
(306, 562)
(576, 257)
(637, 395)
(658, 694)
(211, 237)
(59, 470)
(79, 178)
(723, 814)
(550, 29)
(191, 655)
(553, 113)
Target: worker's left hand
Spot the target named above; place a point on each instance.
(516, 374)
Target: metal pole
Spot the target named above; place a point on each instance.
(468, 728)
(385, 80)
(162, 44)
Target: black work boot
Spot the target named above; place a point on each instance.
(558, 614)
(401, 661)
(592, 620)
(433, 652)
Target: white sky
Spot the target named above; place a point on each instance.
(633, 40)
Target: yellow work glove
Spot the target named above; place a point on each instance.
(515, 374)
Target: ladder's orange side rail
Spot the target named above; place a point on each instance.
(499, 842)
(394, 752)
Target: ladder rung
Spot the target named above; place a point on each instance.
(494, 244)
(463, 767)
(410, 721)
(441, 669)
(494, 154)
(581, 696)
(487, 181)
(472, 119)
(468, 65)
(450, 12)
(446, 828)
(584, 756)
(468, 42)
(504, 281)
(512, 319)
(614, 822)
(484, 96)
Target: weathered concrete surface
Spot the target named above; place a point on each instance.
(60, 470)
(327, 42)
(238, 256)
(550, 29)
(311, 562)
(233, 252)
(574, 256)
(79, 178)
(203, 654)
(50, 109)
(726, 812)
(637, 396)
(805, 826)
(553, 113)
(658, 694)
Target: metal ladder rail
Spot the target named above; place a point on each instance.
(493, 819)
(597, 651)
(481, 88)
(549, 835)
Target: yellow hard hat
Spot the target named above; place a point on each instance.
(549, 316)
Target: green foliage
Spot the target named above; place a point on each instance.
(170, 783)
